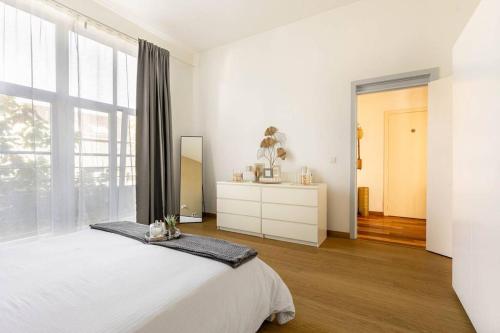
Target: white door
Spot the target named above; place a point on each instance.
(439, 181)
(405, 179)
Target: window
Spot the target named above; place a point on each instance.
(28, 49)
(90, 69)
(127, 78)
(25, 166)
(125, 163)
(92, 165)
(127, 151)
(67, 146)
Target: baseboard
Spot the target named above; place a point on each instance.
(207, 214)
(338, 234)
(376, 213)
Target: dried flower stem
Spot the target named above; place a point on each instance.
(271, 147)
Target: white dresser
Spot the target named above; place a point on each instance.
(287, 212)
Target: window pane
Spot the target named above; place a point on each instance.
(92, 165)
(25, 167)
(24, 37)
(126, 174)
(126, 81)
(125, 162)
(91, 69)
(44, 54)
(25, 125)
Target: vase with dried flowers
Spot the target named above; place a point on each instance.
(272, 147)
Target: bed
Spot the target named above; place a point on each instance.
(94, 281)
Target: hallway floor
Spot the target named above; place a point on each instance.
(399, 230)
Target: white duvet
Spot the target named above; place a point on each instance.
(94, 281)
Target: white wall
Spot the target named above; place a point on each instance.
(297, 77)
(476, 168)
(371, 117)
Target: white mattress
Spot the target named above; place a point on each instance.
(94, 281)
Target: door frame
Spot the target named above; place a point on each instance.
(387, 114)
(377, 84)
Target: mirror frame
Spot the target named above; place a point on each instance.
(190, 219)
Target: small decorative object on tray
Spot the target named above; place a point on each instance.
(172, 231)
(154, 239)
(156, 229)
(163, 231)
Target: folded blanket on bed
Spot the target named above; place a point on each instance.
(228, 253)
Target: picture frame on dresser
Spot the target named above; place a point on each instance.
(288, 212)
(268, 173)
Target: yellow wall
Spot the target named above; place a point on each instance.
(371, 109)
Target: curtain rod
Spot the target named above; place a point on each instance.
(77, 13)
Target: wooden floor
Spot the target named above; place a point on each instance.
(358, 286)
(391, 229)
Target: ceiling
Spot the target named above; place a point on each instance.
(204, 24)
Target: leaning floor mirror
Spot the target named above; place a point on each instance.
(191, 182)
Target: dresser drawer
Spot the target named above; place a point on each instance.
(239, 222)
(290, 213)
(240, 207)
(238, 192)
(290, 196)
(297, 231)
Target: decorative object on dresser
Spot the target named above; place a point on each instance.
(268, 173)
(237, 176)
(258, 169)
(272, 149)
(249, 175)
(271, 176)
(305, 176)
(288, 212)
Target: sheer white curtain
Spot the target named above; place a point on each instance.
(67, 122)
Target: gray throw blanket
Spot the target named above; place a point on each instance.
(228, 253)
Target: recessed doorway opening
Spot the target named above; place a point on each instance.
(409, 86)
(391, 165)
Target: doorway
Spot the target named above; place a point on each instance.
(388, 83)
(391, 168)
(439, 151)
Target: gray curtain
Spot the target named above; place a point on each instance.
(155, 188)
